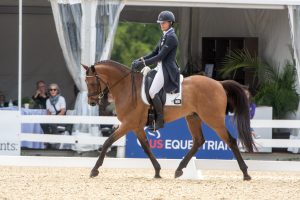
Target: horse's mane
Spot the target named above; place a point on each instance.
(115, 64)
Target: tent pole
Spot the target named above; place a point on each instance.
(20, 56)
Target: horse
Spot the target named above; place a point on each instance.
(203, 100)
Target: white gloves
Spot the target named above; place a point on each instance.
(145, 70)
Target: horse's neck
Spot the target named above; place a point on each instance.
(116, 76)
(127, 83)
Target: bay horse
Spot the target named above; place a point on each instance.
(203, 99)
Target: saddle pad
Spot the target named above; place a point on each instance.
(174, 99)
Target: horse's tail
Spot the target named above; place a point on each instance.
(239, 105)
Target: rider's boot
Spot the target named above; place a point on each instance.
(159, 109)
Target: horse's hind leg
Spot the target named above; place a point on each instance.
(232, 143)
(194, 124)
(145, 145)
(121, 131)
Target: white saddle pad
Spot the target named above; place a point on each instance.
(174, 99)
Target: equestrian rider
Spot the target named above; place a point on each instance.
(167, 76)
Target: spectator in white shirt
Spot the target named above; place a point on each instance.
(56, 104)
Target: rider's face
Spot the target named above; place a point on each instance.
(164, 26)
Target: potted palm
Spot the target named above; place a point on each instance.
(273, 85)
(279, 91)
(241, 59)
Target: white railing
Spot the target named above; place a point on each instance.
(279, 143)
(275, 123)
(71, 139)
(68, 119)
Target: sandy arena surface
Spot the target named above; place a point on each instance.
(111, 184)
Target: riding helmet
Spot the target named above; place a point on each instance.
(166, 16)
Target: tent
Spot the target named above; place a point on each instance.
(42, 56)
(274, 23)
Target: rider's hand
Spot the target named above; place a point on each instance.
(136, 64)
(136, 60)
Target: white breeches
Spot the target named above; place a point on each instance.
(158, 81)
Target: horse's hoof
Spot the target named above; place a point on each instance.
(157, 176)
(94, 173)
(247, 178)
(178, 173)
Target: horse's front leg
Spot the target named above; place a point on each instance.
(121, 131)
(141, 135)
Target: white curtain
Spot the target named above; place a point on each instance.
(85, 30)
(294, 17)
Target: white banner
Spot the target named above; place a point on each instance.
(10, 128)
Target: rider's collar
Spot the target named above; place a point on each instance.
(165, 32)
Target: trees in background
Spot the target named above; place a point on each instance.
(134, 40)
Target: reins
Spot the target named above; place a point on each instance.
(133, 87)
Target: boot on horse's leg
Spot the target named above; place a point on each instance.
(158, 106)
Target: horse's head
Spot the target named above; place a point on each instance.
(112, 78)
(96, 86)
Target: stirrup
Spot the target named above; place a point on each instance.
(152, 127)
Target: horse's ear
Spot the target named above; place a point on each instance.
(85, 67)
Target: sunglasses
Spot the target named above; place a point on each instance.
(52, 89)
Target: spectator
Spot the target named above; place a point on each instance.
(3, 103)
(40, 97)
(252, 108)
(55, 105)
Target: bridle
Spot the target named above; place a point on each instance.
(100, 93)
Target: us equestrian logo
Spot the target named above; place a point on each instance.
(156, 142)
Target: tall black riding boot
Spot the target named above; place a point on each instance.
(159, 109)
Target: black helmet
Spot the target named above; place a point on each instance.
(166, 16)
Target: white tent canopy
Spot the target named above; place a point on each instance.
(268, 20)
(256, 4)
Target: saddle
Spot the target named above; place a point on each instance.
(168, 99)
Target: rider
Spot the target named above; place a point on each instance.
(164, 55)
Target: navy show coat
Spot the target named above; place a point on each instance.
(165, 52)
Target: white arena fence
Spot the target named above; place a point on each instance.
(193, 167)
(71, 139)
(71, 119)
